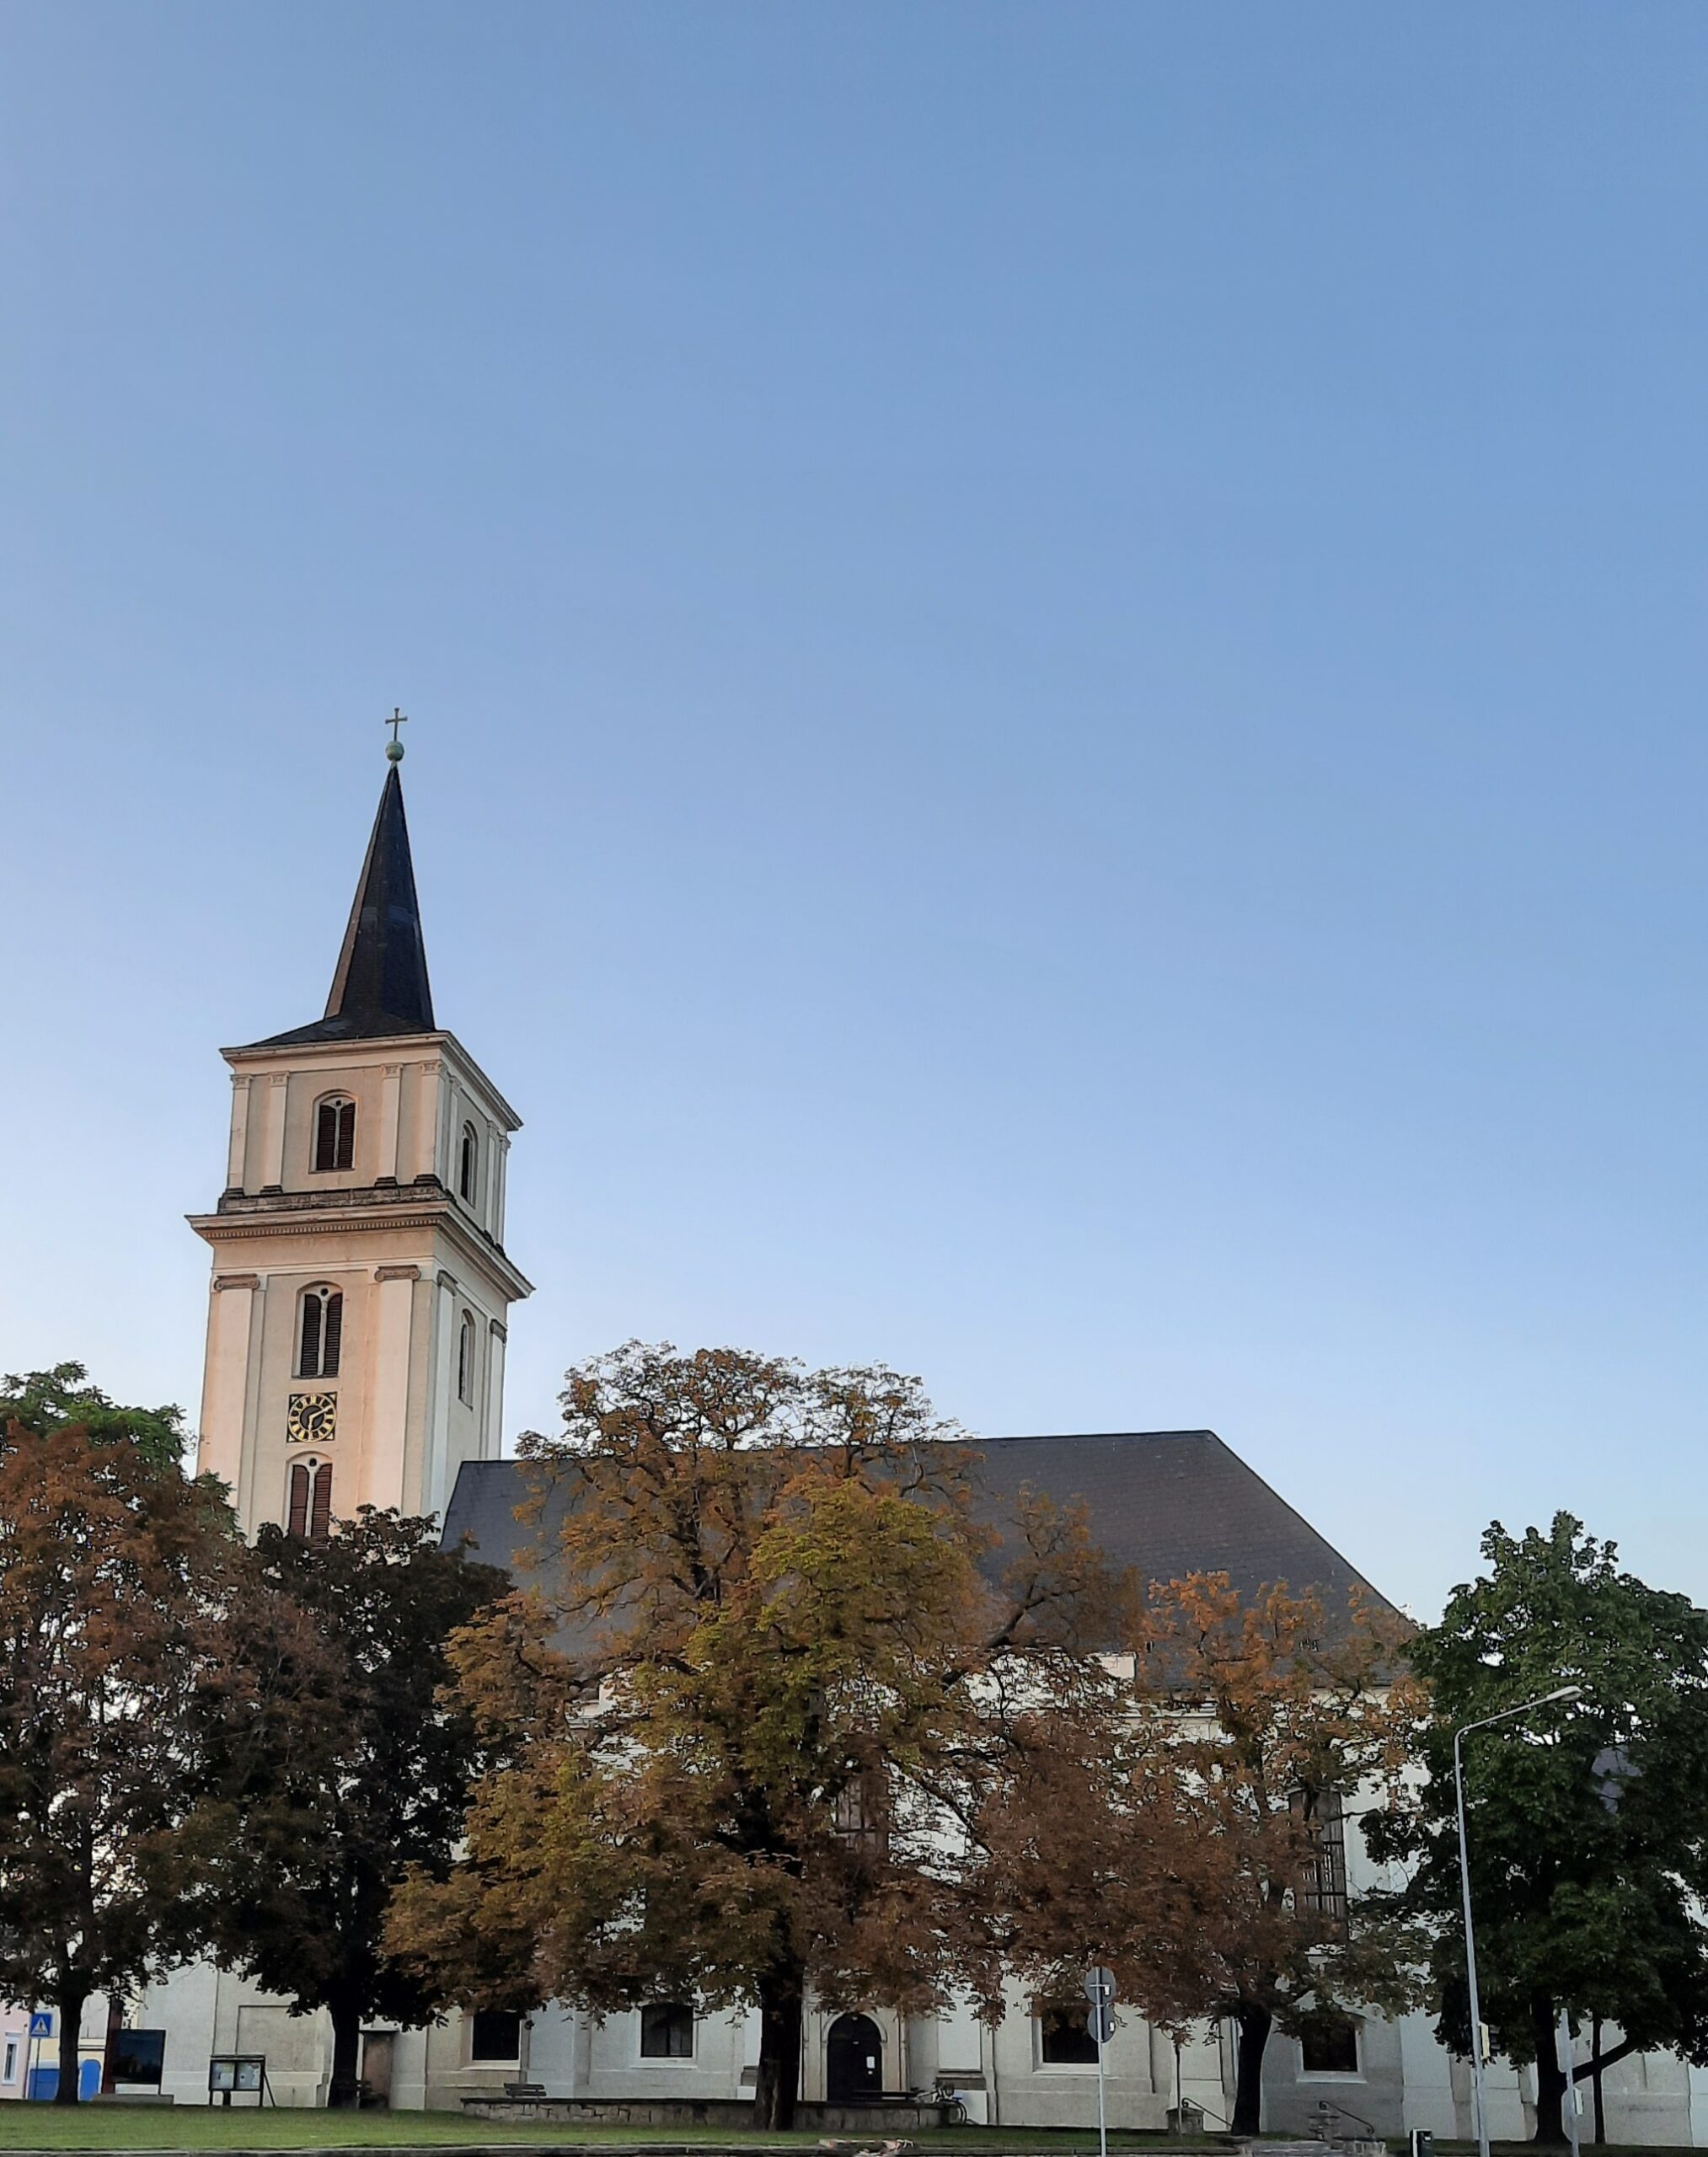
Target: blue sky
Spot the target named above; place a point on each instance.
(1057, 662)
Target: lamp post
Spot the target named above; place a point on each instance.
(1506, 1715)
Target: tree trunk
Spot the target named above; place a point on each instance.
(1550, 2082)
(1596, 2066)
(1252, 2024)
(780, 2002)
(346, 2040)
(70, 2005)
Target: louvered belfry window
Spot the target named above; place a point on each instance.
(310, 1510)
(465, 1360)
(297, 1519)
(334, 1133)
(321, 1334)
(320, 1506)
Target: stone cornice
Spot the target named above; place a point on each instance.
(328, 1201)
(361, 1212)
(235, 1228)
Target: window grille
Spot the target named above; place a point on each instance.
(858, 1812)
(1322, 1885)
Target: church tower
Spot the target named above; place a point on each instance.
(355, 1332)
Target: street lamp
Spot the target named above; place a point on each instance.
(1562, 1693)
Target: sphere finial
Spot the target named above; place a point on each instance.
(394, 748)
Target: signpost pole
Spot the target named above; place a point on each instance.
(1099, 1990)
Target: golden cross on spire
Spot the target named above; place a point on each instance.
(394, 748)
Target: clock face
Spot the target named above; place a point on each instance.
(311, 1419)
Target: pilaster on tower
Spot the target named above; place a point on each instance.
(360, 1290)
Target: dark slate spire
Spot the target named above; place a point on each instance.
(381, 985)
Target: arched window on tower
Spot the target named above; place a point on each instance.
(465, 1359)
(334, 1133)
(319, 1333)
(468, 1164)
(310, 1509)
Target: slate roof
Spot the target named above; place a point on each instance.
(380, 987)
(1166, 1503)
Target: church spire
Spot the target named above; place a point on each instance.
(380, 986)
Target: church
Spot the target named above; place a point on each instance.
(357, 1321)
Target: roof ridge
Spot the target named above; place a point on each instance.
(1054, 1437)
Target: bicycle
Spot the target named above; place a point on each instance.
(943, 2095)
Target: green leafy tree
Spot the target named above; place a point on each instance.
(116, 1575)
(41, 1401)
(335, 1765)
(764, 1709)
(1588, 1824)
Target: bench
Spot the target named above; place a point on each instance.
(524, 2088)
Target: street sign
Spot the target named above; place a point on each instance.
(1100, 1986)
(41, 2025)
(1100, 2022)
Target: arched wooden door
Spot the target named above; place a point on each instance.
(853, 2059)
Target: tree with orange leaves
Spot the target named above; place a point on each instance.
(115, 1571)
(1267, 1720)
(763, 1710)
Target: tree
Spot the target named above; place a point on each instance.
(114, 1576)
(336, 1766)
(1586, 1884)
(1267, 1718)
(41, 1401)
(763, 1710)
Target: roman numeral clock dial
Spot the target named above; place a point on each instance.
(311, 1419)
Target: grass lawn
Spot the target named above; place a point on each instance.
(196, 2127)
